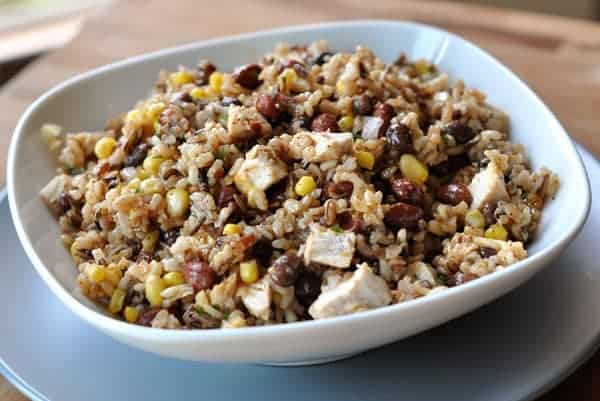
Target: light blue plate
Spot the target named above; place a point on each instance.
(513, 349)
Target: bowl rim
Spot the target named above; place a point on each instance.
(110, 324)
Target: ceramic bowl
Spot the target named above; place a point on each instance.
(86, 101)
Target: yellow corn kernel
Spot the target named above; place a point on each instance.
(178, 202)
(96, 273)
(346, 123)
(149, 241)
(151, 186)
(249, 271)
(215, 81)
(135, 117)
(154, 286)
(181, 77)
(131, 314)
(113, 275)
(134, 184)
(199, 93)
(151, 164)
(232, 229)
(365, 159)
(173, 278)
(116, 301)
(421, 66)
(475, 218)
(413, 169)
(153, 111)
(104, 147)
(496, 231)
(305, 185)
(142, 174)
(288, 77)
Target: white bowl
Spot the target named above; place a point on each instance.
(86, 101)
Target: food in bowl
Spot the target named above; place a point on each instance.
(309, 185)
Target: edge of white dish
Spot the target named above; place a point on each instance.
(208, 337)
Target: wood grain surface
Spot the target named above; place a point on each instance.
(558, 57)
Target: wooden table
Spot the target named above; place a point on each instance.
(558, 57)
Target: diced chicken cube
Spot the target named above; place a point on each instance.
(50, 194)
(257, 298)
(329, 248)
(245, 123)
(488, 186)
(261, 169)
(363, 290)
(423, 271)
(320, 146)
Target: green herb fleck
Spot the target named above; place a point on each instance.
(336, 229)
(200, 310)
(221, 154)
(223, 118)
(443, 278)
(72, 170)
(357, 135)
(445, 139)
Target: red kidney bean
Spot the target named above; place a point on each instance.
(488, 210)
(147, 316)
(486, 251)
(349, 223)
(342, 189)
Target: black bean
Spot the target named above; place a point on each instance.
(64, 203)
(262, 251)
(285, 269)
(402, 215)
(170, 236)
(193, 319)
(324, 122)
(307, 287)
(486, 251)
(137, 156)
(323, 58)
(451, 165)
(488, 210)
(247, 76)
(342, 189)
(407, 192)
(399, 138)
(454, 193)
(205, 69)
(460, 131)
(272, 106)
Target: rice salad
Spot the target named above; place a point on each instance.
(307, 185)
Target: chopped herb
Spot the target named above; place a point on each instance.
(445, 139)
(336, 229)
(200, 310)
(221, 153)
(443, 278)
(226, 315)
(223, 119)
(72, 170)
(357, 135)
(216, 307)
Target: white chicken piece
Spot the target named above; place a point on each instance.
(488, 186)
(257, 298)
(363, 290)
(320, 146)
(244, 123)
(329, 248)
(51, 192)
(261, 169)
